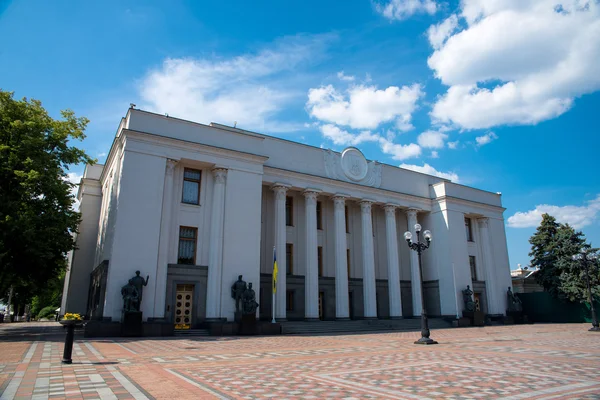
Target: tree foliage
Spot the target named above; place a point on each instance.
(36, 215)
(552, 249)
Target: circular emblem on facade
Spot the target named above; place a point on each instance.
(354, 164)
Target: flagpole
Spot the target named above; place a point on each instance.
(273, 289)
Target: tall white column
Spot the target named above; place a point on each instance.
(341, 261)
(491, 289)
(311, 278)
(165, 237)
(393, 264)
(215, 255)
(280, 191)
(369, 288)
(415, 274)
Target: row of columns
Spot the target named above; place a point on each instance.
(340, 246)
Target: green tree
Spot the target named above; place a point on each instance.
(544, 254)
(37, 219)
(552, 251)
(573, 279)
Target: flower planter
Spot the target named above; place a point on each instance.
(70, 324)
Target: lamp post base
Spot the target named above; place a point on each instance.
(425, 340)
(594, 329)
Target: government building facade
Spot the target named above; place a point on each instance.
(193, 206)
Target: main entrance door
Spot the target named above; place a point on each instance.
(183, 306)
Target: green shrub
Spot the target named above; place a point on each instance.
(47, 312)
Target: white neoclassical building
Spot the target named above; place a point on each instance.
(193, 206)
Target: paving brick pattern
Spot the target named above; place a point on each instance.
(498, 362)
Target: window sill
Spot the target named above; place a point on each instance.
(190, 205)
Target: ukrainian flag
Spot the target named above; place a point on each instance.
(275, 270)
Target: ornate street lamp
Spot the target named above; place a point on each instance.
(419, 247)
(584, 259)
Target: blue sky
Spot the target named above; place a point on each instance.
(502, 96)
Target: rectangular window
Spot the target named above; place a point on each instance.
(191, 186)
(187, 245)
(289, 211)
(348, 261)
(289, 306)
(473, 268)
(346, 216)
(289, 258)
(319, 215)
(469, 229)
(320, 259)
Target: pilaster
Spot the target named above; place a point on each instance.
(165, 235)
(215, 255)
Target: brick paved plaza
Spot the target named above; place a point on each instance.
(526, 361)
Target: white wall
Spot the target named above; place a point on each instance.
(77, 280)
(241, 235)
(136, 238)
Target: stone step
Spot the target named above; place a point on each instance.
(191, 332)
(302, 327)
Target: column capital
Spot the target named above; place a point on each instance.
(483, 222)
(339, 200)
(280, 190)
(365, 206)
(390, 209)
(412, 212)
(280, 186)
(171, 166)
(311, 194)
(220, 174)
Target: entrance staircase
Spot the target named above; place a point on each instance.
(191, 332)
(359, 326)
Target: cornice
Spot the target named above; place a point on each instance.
(366, 191)
(197, 147)
(465, 202)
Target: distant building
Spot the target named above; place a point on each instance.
(193, 206)
(523, 280)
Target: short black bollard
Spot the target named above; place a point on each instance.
(69, 344)
(70, 322)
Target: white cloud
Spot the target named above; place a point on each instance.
(434, 154)
(341, 137)
(429, 170)
(364, 107)
(402, 9)
(438, 34)
(453, 145)
(250, 89)
(576, 216)
(516, 61)
(399, 151)
(74, 178)
(485, 139)
(432, 139)
(348, 78)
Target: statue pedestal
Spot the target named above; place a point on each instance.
(477, 317)
(238, 317)
(516, 316)
(248, 326)
(131, 323)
